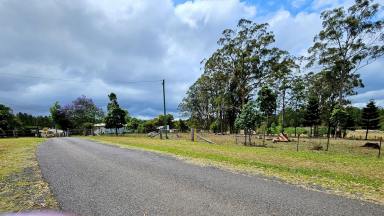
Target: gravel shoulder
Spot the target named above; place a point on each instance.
(90, 178)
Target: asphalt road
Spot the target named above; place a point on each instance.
(89, 178)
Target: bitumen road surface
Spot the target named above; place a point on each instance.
(89, 178)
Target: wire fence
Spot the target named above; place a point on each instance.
(355, 144)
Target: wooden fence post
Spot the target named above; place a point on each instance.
(193, 134)
(264, 135)
(380, 147)
(298, 142)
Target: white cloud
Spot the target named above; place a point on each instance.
(298, 3)
(295, 33)
(326, 4)
(98, 46)
(201, 12)
(101, 45)
(362, 99)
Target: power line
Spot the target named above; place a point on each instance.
(71, 80)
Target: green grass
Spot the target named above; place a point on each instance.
(346, 169)
(21, 183)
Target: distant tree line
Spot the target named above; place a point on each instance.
(80, 116)
(22, 124)
(248, 72)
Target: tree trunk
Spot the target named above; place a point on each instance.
(221, 119)
(366, 132)
(296, 119)
(249, 137)
(116, 131)
(336, 128)
(264, 135)
(310, 133)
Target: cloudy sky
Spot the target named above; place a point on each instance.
(57, 50)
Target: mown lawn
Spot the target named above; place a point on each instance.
(21, 183)
(340, 171)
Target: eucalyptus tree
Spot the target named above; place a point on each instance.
(248, 119)
(266, 101)
(339, 118)
(215, 68)
(350, 39)
(282, 79)
(321, 86)
(244, 60)
(246, 54)
(297, 98)
(198, 102)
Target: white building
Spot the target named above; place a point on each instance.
(100, 129)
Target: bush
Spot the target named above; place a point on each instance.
(299, 130)
(214, 127)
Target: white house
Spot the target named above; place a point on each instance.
(100, 129)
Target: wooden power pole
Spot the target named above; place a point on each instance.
(165, 111)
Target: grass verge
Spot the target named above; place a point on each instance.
(356, 176)
(21, 182)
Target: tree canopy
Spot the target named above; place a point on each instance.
(245, 59)
(116, 116)
(79, 114)
(350, 39)
(370, 117)
(317, 88)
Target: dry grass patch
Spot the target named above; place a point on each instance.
(21, 183)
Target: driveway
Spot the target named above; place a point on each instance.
(89, 178)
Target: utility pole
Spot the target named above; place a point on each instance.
(165, 111)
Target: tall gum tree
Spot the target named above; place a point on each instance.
(350, 39)
(245, 59)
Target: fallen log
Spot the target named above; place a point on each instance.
(205, 139)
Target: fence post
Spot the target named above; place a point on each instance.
(193, 134)
(298, 142)
(161, 134)
(264, 135)
(381, 138)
